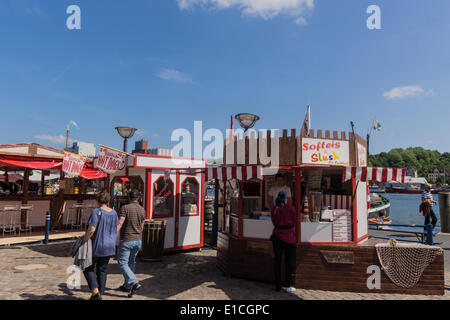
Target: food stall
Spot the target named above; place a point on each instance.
(173, 189)
(33, 183)
(327, 177)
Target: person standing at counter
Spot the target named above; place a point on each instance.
(275, 190)
(284, 219)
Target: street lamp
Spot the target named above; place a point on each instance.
(125, 133)
(247, 120)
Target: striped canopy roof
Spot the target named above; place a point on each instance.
(375, 174)
(237, 172)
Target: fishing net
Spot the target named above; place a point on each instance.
(404, 263)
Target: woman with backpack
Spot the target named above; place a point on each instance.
(102, 230)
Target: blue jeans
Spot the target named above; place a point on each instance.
(128, 251)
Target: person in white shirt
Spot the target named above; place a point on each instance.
(275, 190)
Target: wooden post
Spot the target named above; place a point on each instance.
(298, 201)
(26, 184)
(42, 183)
(240, 209)
(58, 218)
(80, 197)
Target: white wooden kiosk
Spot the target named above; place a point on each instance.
(172, 189)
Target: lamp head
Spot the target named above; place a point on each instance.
(126, 132)
(247, 120)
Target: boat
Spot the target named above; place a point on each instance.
(379, 209)
(377, 189)
(411, 186)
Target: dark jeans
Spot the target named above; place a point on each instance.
(432, 215)
(278, 248)
(96, 274)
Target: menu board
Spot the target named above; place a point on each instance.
(342, 225)
(362, 156)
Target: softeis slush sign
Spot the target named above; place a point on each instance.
(325, 152)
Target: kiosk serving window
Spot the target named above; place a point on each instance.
(163, 193)
(252, 202)
(189, 197)
(121, 186)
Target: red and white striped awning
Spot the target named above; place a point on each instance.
(242, 173)
(375, 174)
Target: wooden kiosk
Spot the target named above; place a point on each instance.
(324, 170)
(173, 190)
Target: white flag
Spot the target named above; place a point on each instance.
(307, 122)
(376, 125)
(72, 123)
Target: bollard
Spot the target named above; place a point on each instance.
(444, 210)
(430, 240)
(47, 226)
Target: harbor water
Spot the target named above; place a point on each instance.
(405, 209)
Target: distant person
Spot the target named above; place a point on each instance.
(275, 190)
(2, 193)
(102, 229)
(284, 219)
(131, 224)
(427, 206)
(14, 187)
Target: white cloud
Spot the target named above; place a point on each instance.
(174, 75)
(266, 9)
(60, 140)
(407, 91)
(55, 139)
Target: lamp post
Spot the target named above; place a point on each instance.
(126, 133)
(376, 126)
(247, 120)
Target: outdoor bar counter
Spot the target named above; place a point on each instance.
(29, 172)
(333, 250)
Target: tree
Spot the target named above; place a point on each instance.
(416, 158)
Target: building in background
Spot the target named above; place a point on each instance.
(141, 147)
(412, 173)
(83, 148)
(435, 173)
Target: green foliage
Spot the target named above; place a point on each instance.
(417, 158)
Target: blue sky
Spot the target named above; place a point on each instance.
(161, 64)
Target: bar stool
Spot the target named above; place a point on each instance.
(27, 208)
(75, 214)
(9, 214)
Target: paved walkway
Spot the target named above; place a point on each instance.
(39, 272)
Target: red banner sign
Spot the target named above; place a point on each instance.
(73, 164)
(110, 160)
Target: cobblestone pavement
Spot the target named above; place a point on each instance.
(39, 272)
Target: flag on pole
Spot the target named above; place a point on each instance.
(73, 123)
(376, 125)
(307, 122)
